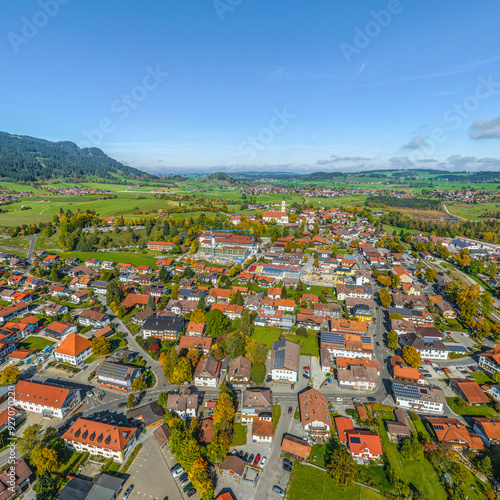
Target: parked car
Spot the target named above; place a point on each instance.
(187, 487)
(240, 454)
(250, 459)
(287, 461)
(269, 379)
(191, 492)
(185, 482)
(245, 457)
(287, 467)
(183, 476)
(127, 493)
(289, 410)
(356, 400)
(178, 472)
(278, 491)
(305, 375)
(315, 458)
(174, 468)
(338, 398)
(262, 461)
(371, 398)
(307, 367)
(121, 405)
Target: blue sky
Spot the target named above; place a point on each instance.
(257, 84)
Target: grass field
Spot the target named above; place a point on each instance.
(318, 451)
(239, 435)
(276, 416)
(421, 474)
(36, 343)
(310, 483)
(132, 258)
(266, 334)
(485, 410)
(309, 345)
(482, 378)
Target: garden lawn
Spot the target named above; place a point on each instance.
(35, 343)
(374, 476)
(135, 259)
(482, 378)
(310, 483)
(266, 334)
(318, 450)
(308, 345)
(239, 435)
(421, 474)
(485, 410)
(420, 427)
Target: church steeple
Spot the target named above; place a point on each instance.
(283, 204)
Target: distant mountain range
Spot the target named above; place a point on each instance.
(28, 159)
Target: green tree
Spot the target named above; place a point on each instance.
(130, 401)
(217, 322)
(235, 344)
(202, 306)
(411, 356)
(31, 439)
(237, 299)
(168, 360)
(411, 449)
(342, 468)
(392, 340)
(151, 302)
(45, 486)
(218, 448)
(430, 275)
(258, 373)
(163, 400)
(484, 466)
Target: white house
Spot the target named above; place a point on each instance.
(418, 397)
(285, 357)
(74, 350)
(47, 399)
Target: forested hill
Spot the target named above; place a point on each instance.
(28, 159)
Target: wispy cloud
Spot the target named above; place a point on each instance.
(415, 143)
(485, 129)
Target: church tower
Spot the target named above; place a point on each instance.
(283, 204)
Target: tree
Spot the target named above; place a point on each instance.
(139, 384)
(235, 344)
(218, 448)
(217, 322)
(395, 280)
(486, 304)
(193, 355)
(302, 331)
(342, 468)
(10, 375)
(256, 351)
(168, 360)
(100, 346)
(201, 480)
(384, 280)
(130, 401)
(223, 411)
(163, 400)
(430, 275)
(392, 340)
(174, 294)
(475, 267)
(183, 372)
(45, 486)
(484, 466)
(496, 377)
(202, 306)
(31, 439)
(198, 316)
(164, 275)
(284, 293)
(151, 302)
(384, 297)
(50, 435)
(491, 269)
(44, 459)
(114, 293)
(412, 356)
(189, 451)
(411, 449)
(237, 299)
(258, 373)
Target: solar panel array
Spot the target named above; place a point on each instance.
(279, 359)
(355, 440)
(333, 338)
(439, 427)
(366, 339)
(408, 391)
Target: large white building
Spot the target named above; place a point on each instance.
(285, 357)
(49, 400)
(74, 350)
(419, 397)
(101, 439)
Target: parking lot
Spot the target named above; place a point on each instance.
(148, 466)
